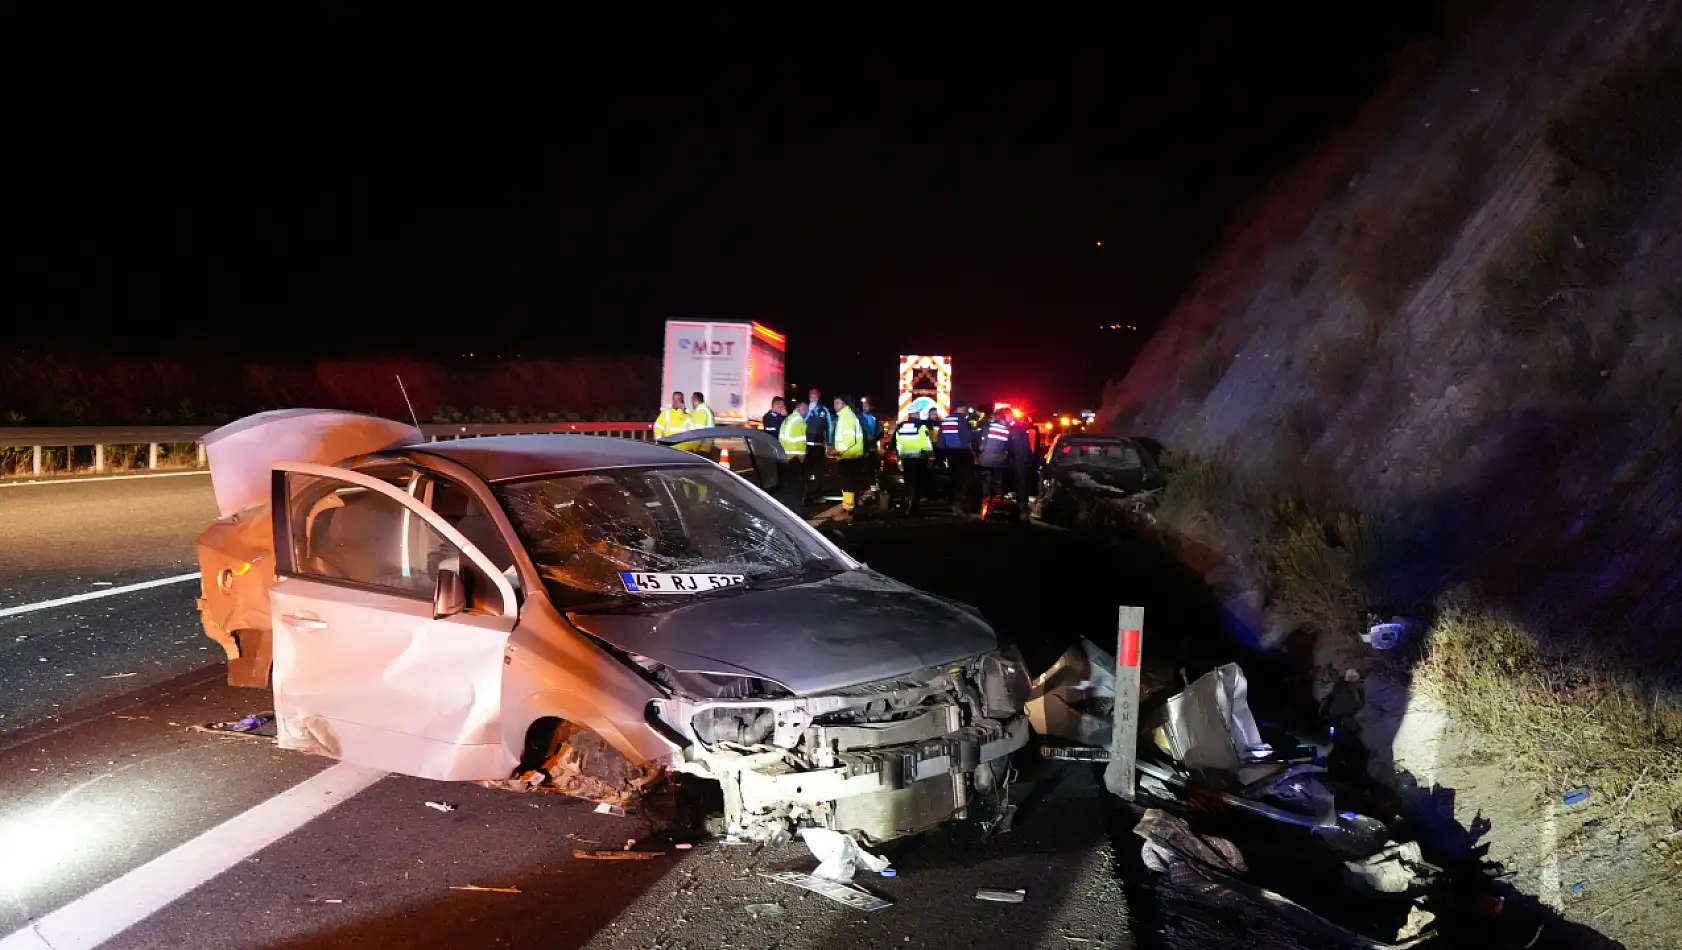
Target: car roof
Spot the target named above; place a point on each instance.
(500, 458)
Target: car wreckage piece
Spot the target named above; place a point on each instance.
(586, 615)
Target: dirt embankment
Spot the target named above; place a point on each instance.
(1435, 371)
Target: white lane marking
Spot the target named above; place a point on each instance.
(72, 480)
(96, 594)
(107, 911)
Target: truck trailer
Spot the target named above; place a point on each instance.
(737, 366)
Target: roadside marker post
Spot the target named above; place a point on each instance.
(1119, 775)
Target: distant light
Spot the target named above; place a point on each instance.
(1100, 243)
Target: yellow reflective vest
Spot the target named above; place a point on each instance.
(792, 434)
(702, 417)
(670, 422)
(911, 439)
(849, 434)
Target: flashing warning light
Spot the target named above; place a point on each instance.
(1017, 413)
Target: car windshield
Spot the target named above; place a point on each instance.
(587, 531)
(1100, 454)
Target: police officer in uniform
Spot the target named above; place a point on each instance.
(995, 456)
(912, 443)
(955, 444)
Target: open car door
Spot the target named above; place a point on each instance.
(754, 454)
(390, 629)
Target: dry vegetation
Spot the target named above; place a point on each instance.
(1566, 720)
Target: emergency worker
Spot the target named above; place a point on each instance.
(955, 444)
(914, 446)
(1022, 462)
(673, 419)
(995, 457)
(818, 439)
(792, 435)
(849, 453)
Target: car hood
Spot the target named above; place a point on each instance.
(853, 628)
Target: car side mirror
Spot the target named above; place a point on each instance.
(449, 597)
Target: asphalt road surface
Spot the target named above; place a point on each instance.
(122, 826)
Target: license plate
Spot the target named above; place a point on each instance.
(643, 583)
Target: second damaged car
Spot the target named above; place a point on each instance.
(590, 614)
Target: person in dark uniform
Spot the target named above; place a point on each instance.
(1022, 462)
(773, 421)
(995, 457)
(955, 445)
(818, 439)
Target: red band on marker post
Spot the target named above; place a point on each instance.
(1129, 648)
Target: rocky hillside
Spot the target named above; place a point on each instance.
(1462, 316)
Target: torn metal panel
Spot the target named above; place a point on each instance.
(1210, 726)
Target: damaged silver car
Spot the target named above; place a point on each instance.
(589, 614)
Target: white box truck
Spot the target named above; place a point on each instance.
(737, 366)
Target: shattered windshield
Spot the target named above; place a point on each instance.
(595, 535)
(1100, 455)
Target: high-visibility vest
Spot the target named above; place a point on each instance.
(701, 417)
(911, 439)
(792, 435)
(998, 432)
(849, 435)
(670, 421)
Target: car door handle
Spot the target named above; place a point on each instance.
(306, 623)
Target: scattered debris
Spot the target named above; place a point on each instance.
(1209, 726)
(1075, 699)
(440, 806)
(765, 910)
(1577, 796)
(683, 846)
(615, 855)
(1075, 753)
(257, 725)
(1580, 886)
(839, 856)
(491, 890)
(1398, 869)
(1389, 634)
(615, 810)
(848, 894)
(1205, 868)
(118, 676)
(1001, 897)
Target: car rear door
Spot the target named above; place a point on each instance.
(365, 670)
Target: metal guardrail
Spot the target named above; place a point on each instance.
(40, 438)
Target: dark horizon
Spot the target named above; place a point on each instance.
(317, 188)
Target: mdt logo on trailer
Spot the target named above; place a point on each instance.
(703, 348)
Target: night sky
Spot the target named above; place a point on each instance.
(317, 184)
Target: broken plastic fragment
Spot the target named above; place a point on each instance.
(839, 856)
(440, 806)
(848, 894)
(605, 809)
(492, 890)
(765, 910)
(1002, 897)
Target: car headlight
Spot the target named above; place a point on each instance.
(1004, 683)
